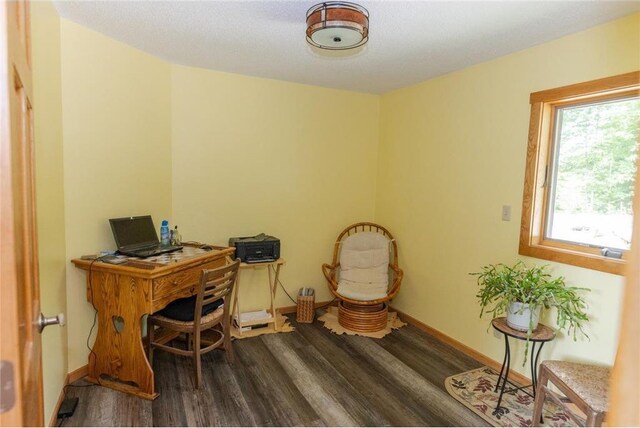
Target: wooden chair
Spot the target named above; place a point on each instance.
(584, 385)
(362, 302)
(215, 284)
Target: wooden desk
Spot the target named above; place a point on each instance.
(122, 295)
(273, 287)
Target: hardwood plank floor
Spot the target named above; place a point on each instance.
(309, 377)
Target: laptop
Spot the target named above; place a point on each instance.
(137, 237)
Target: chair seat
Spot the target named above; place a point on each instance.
(362, 291)
(184, 309)
(589, 382)
(207, 319)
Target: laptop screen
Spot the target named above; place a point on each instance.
(132, 232)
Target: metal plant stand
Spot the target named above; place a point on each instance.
(539, 337)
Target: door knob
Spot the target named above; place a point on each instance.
(45, 321)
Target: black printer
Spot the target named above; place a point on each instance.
(256, 249)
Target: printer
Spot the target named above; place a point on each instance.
(256, 249)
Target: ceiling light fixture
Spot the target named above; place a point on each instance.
(337, 25)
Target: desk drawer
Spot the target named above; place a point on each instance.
(180, 284)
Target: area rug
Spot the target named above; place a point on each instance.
(283, 324)
(475, 389)
(330, 320)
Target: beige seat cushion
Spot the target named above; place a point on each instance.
(364, 266)
(589, 382)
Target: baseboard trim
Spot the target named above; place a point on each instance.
(71, 377)
(292, 309)
(78, 374)
(513, 375)
(53, 421)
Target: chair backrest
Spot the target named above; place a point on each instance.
(364, 259)
(216, 284)
(366, 227)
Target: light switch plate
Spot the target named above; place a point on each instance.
(506, 213)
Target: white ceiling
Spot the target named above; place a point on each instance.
(410, 41)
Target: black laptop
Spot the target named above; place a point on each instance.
(137, 237)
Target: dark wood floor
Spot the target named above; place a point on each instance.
(309, 377)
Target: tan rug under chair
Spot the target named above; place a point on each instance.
(330, 320)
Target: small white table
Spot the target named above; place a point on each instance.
(273, 287)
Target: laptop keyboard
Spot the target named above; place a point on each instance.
(153, 251)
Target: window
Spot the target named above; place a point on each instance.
(580, 173)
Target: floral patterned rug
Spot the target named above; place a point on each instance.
(475, 389)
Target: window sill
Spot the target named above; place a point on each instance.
(574, 258)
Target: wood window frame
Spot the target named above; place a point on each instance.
(539, 150)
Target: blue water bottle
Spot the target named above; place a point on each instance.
(164, 233)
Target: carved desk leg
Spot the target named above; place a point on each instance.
(118, 359)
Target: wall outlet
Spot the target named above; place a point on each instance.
(506, 213)
(497, 334)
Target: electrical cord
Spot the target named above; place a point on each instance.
(327, 304)
(64, 394)
(95, 316)
(291, 298)
(282, 286)
(64, 389)
(95, 310)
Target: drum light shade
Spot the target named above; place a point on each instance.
(337, 25)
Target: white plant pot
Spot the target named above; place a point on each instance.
(518, 316)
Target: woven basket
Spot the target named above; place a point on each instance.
(306, 307)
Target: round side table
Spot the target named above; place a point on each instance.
(540, 335)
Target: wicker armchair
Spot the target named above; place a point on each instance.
(364, 307)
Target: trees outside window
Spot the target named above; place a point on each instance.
(581, 169)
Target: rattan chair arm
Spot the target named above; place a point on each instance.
(329, 272)
(399, 274)
(335, 293)
(395, 269)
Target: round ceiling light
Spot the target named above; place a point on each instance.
(337, 25)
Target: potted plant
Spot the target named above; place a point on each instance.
(521, 292)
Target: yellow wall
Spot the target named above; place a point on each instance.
(45, 26)
(117, 152)
(225, 155)
(254, 155)
(452, 152)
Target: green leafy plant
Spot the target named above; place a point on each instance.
(500, 285)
